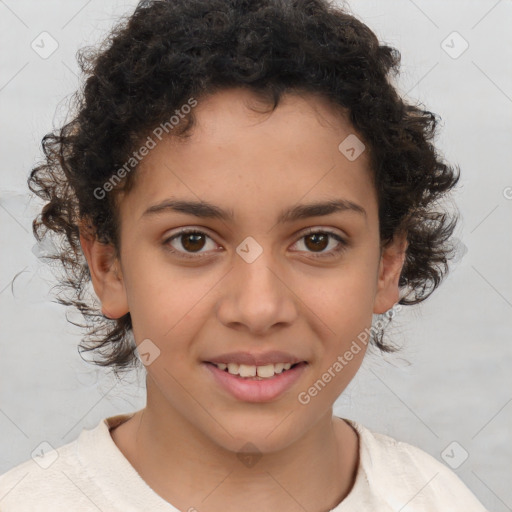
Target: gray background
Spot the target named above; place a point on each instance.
(452, 380)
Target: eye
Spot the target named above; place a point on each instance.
(193, 241)
(190, 239)
(317, 240)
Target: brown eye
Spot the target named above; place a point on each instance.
(316, 243)
(188, 243)
(192, 241)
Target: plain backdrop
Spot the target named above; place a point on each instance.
(449, 391)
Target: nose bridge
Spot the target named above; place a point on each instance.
(258, 283)
(253, 267)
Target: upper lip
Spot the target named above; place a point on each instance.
(253, 359)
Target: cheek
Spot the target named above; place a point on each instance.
(343, 333)
(344, 306)
(167, 304)
(343, 299)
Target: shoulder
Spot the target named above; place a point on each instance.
(47, 481)
(405, 474)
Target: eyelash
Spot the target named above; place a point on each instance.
(330, 254)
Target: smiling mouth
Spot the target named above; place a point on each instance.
(252, 372)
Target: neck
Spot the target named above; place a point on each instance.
(190, 471)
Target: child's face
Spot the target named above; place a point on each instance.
(292, 298)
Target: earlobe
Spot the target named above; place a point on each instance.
(106, 275)
(390, 268)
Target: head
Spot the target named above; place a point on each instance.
(254, 110)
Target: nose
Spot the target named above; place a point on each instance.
(257, 296)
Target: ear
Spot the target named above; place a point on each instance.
(391, 262)
(106, 274)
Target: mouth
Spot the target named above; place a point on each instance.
(251, 383)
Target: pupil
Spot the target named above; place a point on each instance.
(195, 237)
(317, 237)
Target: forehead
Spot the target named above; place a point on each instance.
(243, 156)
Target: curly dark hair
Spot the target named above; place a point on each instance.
(169, 51)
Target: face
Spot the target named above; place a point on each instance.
(253, 287)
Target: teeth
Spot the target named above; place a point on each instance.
(278, 368)
(245, 370)
(265, 371)
(233, 368)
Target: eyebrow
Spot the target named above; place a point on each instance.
(204, 209)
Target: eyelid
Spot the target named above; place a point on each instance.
(323, 229)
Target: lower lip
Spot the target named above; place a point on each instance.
(251, 390)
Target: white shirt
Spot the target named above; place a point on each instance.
(92, 474)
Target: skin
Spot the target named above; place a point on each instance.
(184, 442)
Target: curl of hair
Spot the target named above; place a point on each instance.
(167, 52)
